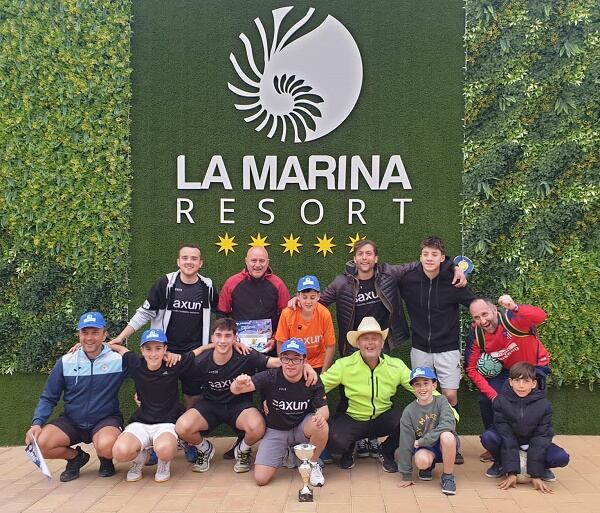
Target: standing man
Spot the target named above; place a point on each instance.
(433, 305)
(88, 380)
(509, 336)
(255, 293)
(179, 303)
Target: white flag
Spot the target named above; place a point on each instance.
(34, 454)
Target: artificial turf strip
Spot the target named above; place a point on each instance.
(573, 408)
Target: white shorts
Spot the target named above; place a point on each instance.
(147, 433)
(446, 365)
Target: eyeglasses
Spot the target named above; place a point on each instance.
(295, 361)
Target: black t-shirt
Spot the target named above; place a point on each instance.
(288, 402)
(157, 390)
(368, 304)
(216, 379)
(187, 304)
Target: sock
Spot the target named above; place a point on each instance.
(244, 446)
(141, 457)
(203, 445)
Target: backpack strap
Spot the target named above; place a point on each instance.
(508, 326)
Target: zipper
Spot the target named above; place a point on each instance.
(373, 392)
(429, 316)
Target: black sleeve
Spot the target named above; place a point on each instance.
(258, 360)
(132, 362)
(214, 298)
(509, 454)
(157, 295)
(186, 365)
(263, 380)
(539, 442)
(319, 398)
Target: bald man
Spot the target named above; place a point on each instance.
(255, 292)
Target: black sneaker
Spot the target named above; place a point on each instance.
(107, 469)
(494, 471)
(389, 464)
(374, 448)
(448, 484)
(74, 465)
(230, 454)
(427, 473)
(548, 476)
(362, 448)
(459, 459)
(347, 460)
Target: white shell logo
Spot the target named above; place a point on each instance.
(308, 85)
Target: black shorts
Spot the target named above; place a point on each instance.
(216, 414)
(77, 434)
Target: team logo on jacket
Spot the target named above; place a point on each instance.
(298, 86)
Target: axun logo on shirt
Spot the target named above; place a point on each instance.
(309, 84)
(297, 85)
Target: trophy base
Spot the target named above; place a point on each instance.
(305, 496)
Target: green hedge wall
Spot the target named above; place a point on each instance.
(531, 175)
(65, 200)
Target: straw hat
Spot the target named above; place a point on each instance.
(367, 325)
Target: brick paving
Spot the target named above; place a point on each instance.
(364, 489)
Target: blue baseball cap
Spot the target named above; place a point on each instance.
(422, 372)
(308, 282)
(91, 320)
(153, 335)
(295, 345)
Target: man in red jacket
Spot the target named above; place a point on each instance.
(509, 336)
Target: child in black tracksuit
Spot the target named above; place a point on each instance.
(523, 421)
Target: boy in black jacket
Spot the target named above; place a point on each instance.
(523, 422)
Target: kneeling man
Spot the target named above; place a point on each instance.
(296, 414)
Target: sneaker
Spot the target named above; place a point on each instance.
(448, 484)
(374, 448)
(243, 460)
(389, 464)
(163, 471)
(191, 453)
(230, 454)
(486, 456)
(494, 471)
(74, 465)
(548, 476)
(107, 468)
(152, 458)
(426, 474)
(203, 459)
(347, 460)
(459, 459)
(326, 456)
(316, 475)
(362, 448)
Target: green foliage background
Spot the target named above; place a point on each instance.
(65, 172)
(531, 173)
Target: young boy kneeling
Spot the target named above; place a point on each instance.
(523, 422)
(427, 431)
(153, 424)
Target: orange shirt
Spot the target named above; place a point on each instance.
(316, 334)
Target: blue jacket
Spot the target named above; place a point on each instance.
(90, 388)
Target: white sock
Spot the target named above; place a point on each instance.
(203, 445)
(244, 446)
(141, 457)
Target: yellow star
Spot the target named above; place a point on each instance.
(291, 244)
(258, 241)
(325, 245)
(226, 244)
(353, 241)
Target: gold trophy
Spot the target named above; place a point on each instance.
(304, 453)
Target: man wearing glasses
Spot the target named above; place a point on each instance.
(296, 414)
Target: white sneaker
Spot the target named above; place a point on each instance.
(316, 475)
(137, 465)
(243, 460)
(163, 471)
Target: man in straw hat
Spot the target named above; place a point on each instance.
(370, 379)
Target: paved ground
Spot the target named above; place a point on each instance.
(365, 489)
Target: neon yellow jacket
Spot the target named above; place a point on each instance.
(369, 392)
